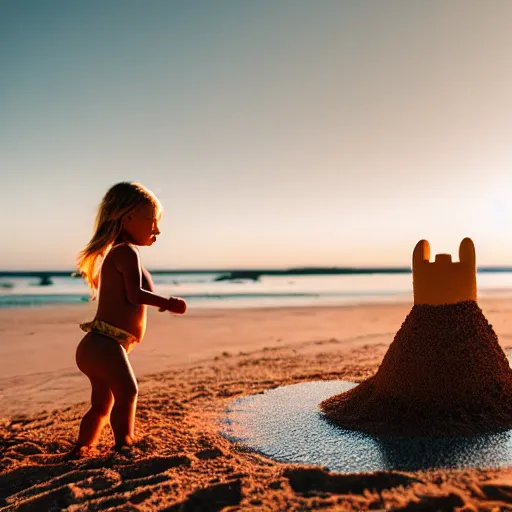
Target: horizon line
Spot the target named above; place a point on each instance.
(252, 271)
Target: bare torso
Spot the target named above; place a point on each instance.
(113, 304)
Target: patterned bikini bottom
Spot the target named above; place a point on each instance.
(124, 338)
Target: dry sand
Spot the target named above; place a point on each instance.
(188, 369)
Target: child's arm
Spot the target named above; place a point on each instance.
(127, 262)
(177, 305)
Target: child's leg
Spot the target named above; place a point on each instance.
(106, 364)
(95, 418)
(124, 387)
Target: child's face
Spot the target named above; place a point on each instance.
(141, 226)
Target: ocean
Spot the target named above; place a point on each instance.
(204, 291)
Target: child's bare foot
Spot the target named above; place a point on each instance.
(124, 449)
(79, 452)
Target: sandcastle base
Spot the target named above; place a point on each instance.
(286, 424)
(363, 408)
(445, 373)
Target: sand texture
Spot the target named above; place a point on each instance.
(189, 370)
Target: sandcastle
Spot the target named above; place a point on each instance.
(444, 373)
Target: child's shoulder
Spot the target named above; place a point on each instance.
(123, 251)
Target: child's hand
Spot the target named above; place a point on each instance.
(175, 305)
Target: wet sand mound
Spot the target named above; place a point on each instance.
(444, 374)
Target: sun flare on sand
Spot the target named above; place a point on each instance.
(444, 373)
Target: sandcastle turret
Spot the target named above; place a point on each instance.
(443, 281)
(445, 372)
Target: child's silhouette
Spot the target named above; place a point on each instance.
(128, 216)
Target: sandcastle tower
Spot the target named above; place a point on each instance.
(445, 372)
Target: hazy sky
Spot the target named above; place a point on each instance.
(276, 133)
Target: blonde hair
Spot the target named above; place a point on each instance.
(119, 201)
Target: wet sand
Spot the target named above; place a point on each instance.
(189, 368)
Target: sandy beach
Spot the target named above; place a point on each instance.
(189, 368)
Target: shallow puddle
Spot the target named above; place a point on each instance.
(286, 425)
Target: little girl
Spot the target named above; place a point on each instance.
(128, 216)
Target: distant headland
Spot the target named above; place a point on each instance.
(45, 276)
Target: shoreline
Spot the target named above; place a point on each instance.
(270, 302)
(257, 301)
